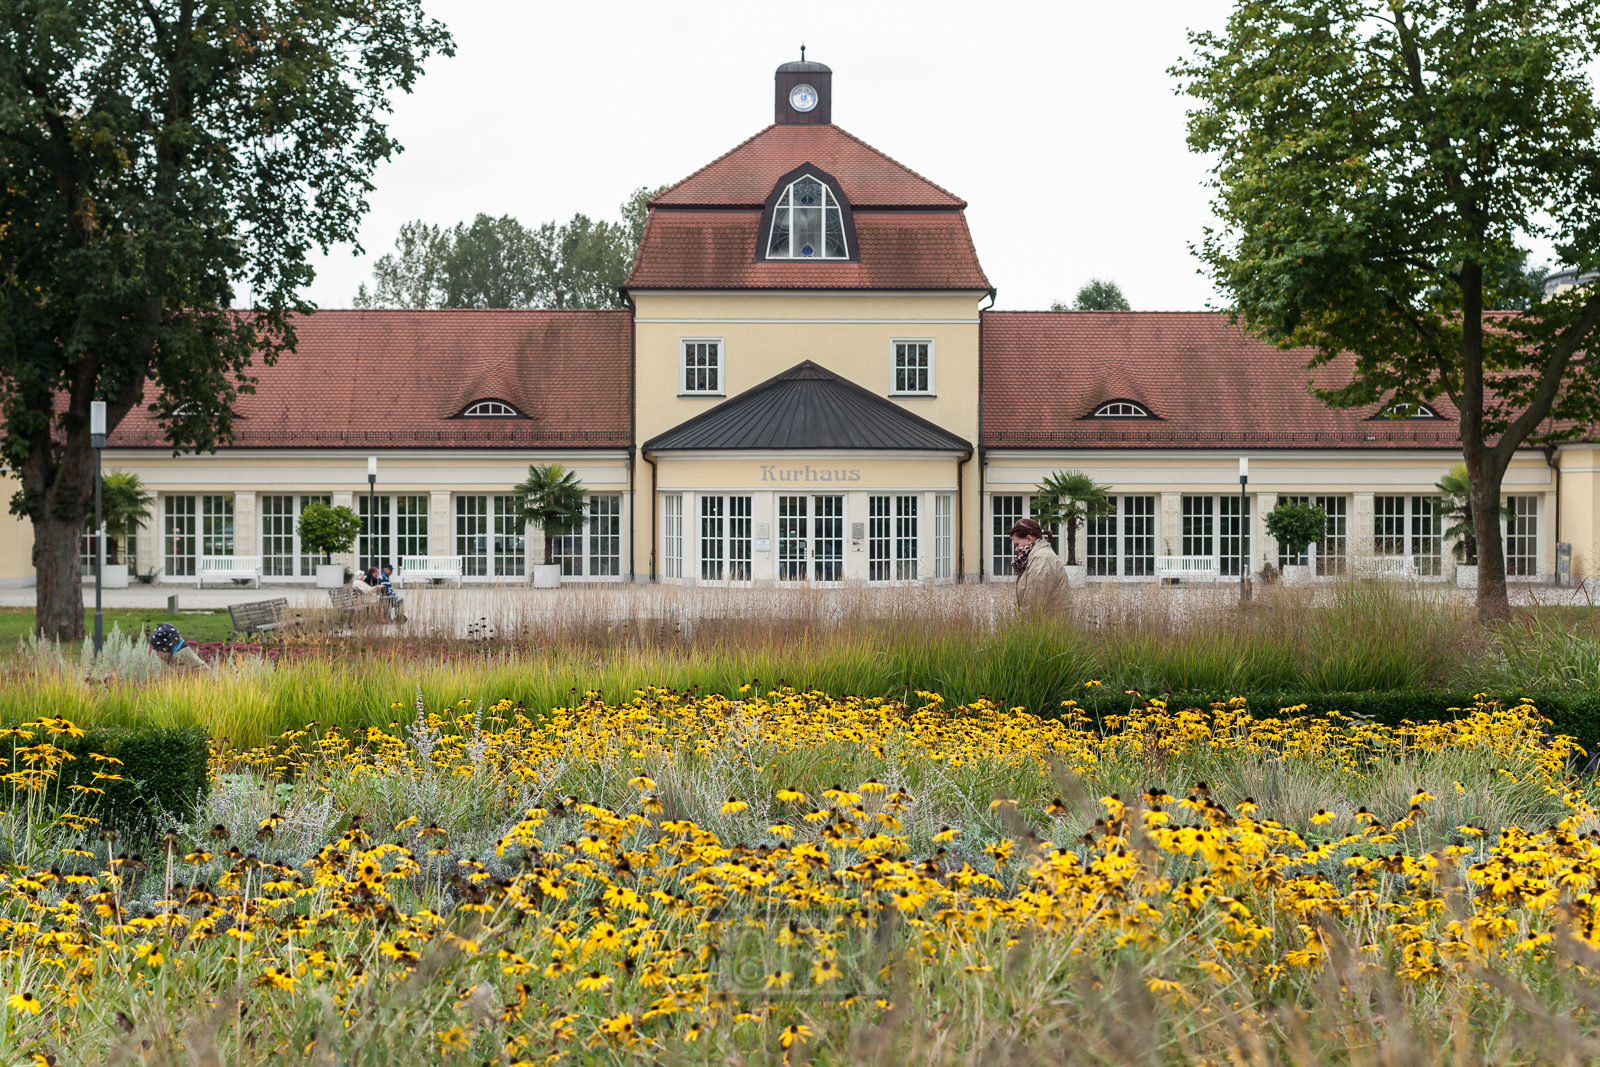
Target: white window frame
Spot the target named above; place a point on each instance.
(894, 368)
(785, 206)
(683, 366)
(1522, 532)
(672, 535)
(584, 553)
(1104, 411)
(488, 409)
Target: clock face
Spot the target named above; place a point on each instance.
(802, 98)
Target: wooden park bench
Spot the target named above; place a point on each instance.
(263, 617)
(430, 568)
(1186, 568)
(352, 608)
(230, 569)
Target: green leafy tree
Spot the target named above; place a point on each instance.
(158, 159)
(1068, 499)
(500, 263)
(1377, 163)
(552, 499)
(1455, 493)
(1097, 294)
(124, 507)
(325, 530)
(1296, 526)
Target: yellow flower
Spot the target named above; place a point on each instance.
(733, 806)
(26, 1003)
(790, 795)
(594, 981)
(792, 1033)
(779, 979)
(824, 971)
(455, 1037)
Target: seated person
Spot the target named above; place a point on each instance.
(386, 589)
(366, 594)
(174, 651)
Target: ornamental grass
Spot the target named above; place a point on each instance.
(781, 876)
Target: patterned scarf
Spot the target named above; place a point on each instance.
(1019, 562)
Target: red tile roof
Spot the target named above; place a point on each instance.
(1208, 384)
(717, 249)
(375, 379)
(745, 176)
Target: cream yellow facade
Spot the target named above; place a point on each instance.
(1184, 502)
(254, 496)
(853, 335)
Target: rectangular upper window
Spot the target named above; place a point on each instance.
(700, 366)
(911, 367)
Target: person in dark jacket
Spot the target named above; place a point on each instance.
(386, 590)
(170, 647)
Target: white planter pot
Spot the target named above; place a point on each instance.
(546, 575)
(115, 576)
(330, 575)
(1297, 574)
(1467, 577)
(1077, 574)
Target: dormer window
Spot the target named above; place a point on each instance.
(1121, 409)
(807, 218)
(1407, 410)
(491, 409)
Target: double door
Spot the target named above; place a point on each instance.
(811, 538)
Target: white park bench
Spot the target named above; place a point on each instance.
(1384, 566)
(1186, 568)
(230, 569)
(426, 568)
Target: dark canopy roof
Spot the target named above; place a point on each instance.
(807, 406)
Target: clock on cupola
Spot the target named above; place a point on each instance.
(804, 94)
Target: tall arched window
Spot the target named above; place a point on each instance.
(807, 222)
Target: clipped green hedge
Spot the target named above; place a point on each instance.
(1575, 712)
(163, 769)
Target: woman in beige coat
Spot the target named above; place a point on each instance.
(1041, 581)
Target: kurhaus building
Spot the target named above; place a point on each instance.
(808, 385)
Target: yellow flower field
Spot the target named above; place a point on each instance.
(789, 876)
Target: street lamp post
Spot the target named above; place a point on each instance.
(1244, 561)
(372, 507)
(97, 440)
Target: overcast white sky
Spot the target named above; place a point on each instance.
(1056, 121)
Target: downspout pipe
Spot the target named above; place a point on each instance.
(982, 462)
(633, 435)
(651, 460)
(961, 523)
(1550, 453)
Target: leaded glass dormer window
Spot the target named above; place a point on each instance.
(808, 222)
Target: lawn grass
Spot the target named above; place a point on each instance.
(196, 626)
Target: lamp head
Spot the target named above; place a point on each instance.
(1244, 468)
(372, 467)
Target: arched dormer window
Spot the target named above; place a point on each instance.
(807, 217)
(1407, 410)
(490, 409)
(1121, 409)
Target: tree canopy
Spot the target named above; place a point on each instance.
(158, 157)
(1380, 168)
(500, 263)
(1096, 294)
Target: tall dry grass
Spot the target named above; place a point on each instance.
(963, 641)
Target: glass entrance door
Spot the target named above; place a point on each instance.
(811, 538)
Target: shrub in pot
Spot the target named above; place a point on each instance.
(1295, 527)
(325, 531)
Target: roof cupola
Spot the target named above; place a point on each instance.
(804, 94)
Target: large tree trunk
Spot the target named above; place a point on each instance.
(1484, 477)
(58, 595)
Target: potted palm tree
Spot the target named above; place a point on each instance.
(1296, 527)
(1067, 499)
(1455, 508)
(553, 499)
(325, 531)
(124, 508)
